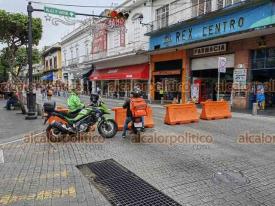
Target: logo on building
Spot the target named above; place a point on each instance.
(167, 39)
(217, 48)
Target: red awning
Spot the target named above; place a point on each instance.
(140, 71)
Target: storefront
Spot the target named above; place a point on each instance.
(167, 76)
(246, 41)
(204, 72)
(120, 81)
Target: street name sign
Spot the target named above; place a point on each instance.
(60, 12)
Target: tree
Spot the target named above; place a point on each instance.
(14, 34)
(21, 58)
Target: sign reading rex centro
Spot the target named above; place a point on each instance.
(238, 21)
(59, 12)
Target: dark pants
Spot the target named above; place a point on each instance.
(125, 127)
(10, 102)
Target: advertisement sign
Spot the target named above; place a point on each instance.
(195, 92)
(99, 43)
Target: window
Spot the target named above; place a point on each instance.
(47, 64)
(200, 7)
(86, 49)
(162, 16)
(51, 63)
(65, 57)
(72, 53)
(263, 58)
(77, 52)
(55, 62)
(220, 4)
(224, 3)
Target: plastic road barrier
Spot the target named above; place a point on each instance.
(181, 114)
(215, 110)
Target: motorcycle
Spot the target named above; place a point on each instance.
(137, 127)
(61, 123)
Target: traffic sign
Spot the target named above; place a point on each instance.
(60, 12)
(222, 64)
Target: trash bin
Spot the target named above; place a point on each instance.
(31, 100)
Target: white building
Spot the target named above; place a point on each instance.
(119, 54)
(76, 49)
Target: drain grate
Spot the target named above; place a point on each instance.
(122, 187)
(230, 178)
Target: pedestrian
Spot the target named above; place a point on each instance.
(49, 93)
(98, 90)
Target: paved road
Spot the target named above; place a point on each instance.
(45, 174)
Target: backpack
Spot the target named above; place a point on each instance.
(138, 107)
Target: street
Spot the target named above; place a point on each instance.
(43, 173)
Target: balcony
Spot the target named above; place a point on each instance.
(73, 61)
(182, 12)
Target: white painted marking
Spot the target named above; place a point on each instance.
(21, 139)
(1, 156)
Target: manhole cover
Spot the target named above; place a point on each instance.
(230, 178)
(122, 187)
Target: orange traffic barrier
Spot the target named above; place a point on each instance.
(120, 116)
(181, 114)
(215, 110)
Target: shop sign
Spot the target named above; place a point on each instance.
(210, 49)
(172, 72)
(238, 21)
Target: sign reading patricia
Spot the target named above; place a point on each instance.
(210, 49)
(237, 21)
(59, 12)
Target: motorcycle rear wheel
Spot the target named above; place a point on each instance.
(54, 134)
(107, 128)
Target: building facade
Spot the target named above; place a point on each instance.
(52, 61)
(76, 49)
(118, 52)
(184, 51)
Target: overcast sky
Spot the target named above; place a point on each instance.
(51, 33)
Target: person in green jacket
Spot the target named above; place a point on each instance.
(74, 103)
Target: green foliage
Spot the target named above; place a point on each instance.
(14, 29)
(14, 35)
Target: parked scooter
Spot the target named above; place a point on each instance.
(61, 123)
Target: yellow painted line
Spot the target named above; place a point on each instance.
(64, 174)
(39, 196)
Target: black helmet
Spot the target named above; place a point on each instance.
(136, 93)
(94, 98)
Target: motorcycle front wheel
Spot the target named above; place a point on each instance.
(107, 128)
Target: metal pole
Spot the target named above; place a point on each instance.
(218, 93)
(30, 95)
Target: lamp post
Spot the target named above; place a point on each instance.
(31, 97)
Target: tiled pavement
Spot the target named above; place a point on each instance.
(45, 174)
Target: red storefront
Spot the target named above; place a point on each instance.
(120, 81)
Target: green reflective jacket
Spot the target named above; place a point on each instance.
(74, 103)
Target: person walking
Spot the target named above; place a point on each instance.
(49, 93)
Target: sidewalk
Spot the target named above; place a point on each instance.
(13, 124)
